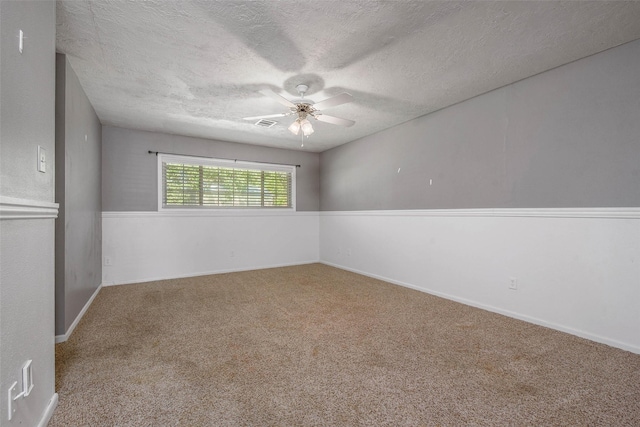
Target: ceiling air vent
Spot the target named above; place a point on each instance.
(265, 123)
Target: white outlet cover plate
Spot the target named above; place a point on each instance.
(27, 378)
(12, 393)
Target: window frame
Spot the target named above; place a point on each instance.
(239, 164)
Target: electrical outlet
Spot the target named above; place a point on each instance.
(11, 396)
(27, 378)
(108, 261)
(513, 283)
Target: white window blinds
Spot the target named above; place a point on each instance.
(187, 183)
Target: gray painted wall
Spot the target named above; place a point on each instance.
(129, 172)
(78, 187)
(27, 91)
(569, 137)
(27, 116)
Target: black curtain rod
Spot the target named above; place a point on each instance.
(222, 158)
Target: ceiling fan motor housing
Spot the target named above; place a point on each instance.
(304, 109)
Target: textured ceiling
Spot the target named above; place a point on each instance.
(195, 67)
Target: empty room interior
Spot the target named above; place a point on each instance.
(305, 213)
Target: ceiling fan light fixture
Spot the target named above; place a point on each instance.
(295, 127)
(307, 129)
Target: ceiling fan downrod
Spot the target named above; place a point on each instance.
(302, 89)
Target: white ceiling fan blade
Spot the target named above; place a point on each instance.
(284, 101)
(270, 116)
(343, 98)
(334, 120)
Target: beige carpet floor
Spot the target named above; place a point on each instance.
(317, 346)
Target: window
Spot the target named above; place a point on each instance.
(195, 182)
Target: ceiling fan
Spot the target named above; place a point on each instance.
(305, 108)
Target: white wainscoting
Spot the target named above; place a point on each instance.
(577, 270)
(146, 246)
(27, 304)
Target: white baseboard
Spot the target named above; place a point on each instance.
(64, 337)
(48, 412)
(535, 321)
(208, 273)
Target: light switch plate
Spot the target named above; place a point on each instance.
(42, 159)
